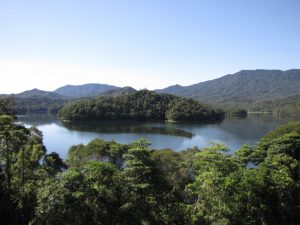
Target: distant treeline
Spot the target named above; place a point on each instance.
(142, 105)
(38, 105)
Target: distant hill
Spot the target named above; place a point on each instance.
(85, 90)
(283, 106)
(36, 93)
(274, 91)
(141, 105)
(38, 101)
(244, 86)
(119, 91)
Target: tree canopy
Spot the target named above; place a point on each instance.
(105, 182)
(141, 105)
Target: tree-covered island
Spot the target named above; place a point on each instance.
(141, 105)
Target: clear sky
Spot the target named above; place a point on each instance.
(142, 43)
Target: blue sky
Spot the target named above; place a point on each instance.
(144, 44)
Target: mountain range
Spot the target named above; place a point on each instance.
(246, 85)
(249, 89)
(85, 90)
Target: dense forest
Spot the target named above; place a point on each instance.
(141, 105)
(105, 182)
(37, 101)
(38, 105)
(273, 91)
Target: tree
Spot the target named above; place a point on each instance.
(7, 106)
(210, 193)
(104, 193)
(97, 150)
(281, 169)
(21, 172)
(63, 201)
(54, 164)
(145, 187)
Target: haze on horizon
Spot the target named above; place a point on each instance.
(143, 44)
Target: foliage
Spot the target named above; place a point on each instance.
(235, 111)
(177, 167)
(21, 170)
(274, 91)
(62, 201)
(229, 190)
(97, 150)
(7, 106)
(38, 105)
(188, 109)
(110, 183)
(141, 105)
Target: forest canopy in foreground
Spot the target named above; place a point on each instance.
(142, 105)
(105, 182)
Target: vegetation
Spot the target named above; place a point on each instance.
(35, 101)
(275, 91)
(85, 90)
(287, 106)
(105, 182)
(38, 105)
(24, 165)
(233, 111)
(119, 91)
(7, 106)
(272, 91)
(142, 105)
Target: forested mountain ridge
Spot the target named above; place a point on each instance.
(250, 85)
(273, 91)
(36, 100)
(119, 91)
(36, 93)
(255, 85)
(85, 90)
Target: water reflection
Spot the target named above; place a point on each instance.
(38, 119)
(123, 127)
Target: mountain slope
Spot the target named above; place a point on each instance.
(119, 91)
(36, 93)
(246, 85)
(85, 90)
(283, 106)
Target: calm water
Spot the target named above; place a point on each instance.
(233, 132)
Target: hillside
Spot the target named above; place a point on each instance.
(36, 93)
(38, 105)
(85, 90)
(119, 91)
(246, 87)
(283, 106)
(274, 91)
(141, 105)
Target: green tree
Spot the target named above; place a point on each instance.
(63, 201)
(97, 150)
(104, 196)
(281, 169)
(210, 193)
(145, 187)
(21, 172)
(142, 105)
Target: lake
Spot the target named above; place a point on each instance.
(233, 132)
